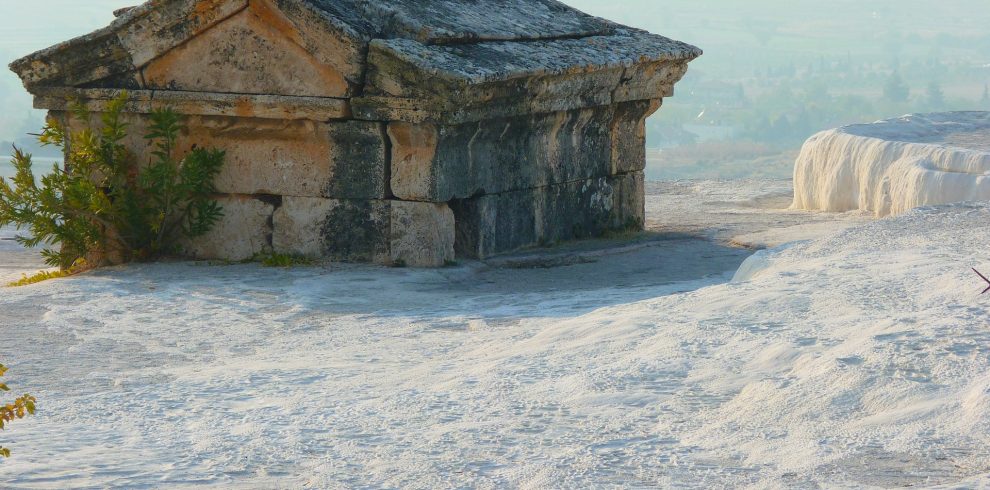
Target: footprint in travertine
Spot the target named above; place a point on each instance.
(850, 361)
(876, 467)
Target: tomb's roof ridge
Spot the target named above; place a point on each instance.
(466, 21)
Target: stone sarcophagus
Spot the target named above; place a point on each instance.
(392, 131)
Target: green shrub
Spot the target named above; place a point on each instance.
(21, 407)
(275, 259)
(102, 205)
(40, 276)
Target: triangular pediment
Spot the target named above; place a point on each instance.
(255, 51)
(166, 40)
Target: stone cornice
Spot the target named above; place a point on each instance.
(200, 103)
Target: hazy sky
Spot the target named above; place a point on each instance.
(28, 26)
(724, 28)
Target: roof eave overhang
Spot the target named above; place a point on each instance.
(137, 36)
(413, 82)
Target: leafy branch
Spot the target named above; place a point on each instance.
(101, 202)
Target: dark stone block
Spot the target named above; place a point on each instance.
(358, 160)
(498, 223)
(357, 231)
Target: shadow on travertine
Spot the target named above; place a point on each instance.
(688, 248)
(551, 283)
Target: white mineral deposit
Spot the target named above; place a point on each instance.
(442, 262)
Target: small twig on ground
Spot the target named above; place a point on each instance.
(984, 279)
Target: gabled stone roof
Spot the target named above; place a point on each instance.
(401, 59)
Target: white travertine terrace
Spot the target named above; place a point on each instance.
(895, 165)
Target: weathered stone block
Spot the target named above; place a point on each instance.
(498, 223)
(649, 78)
(299, 223)
(415, 234)
(412, 165)
(437, 163)
(293, 158)
(332, 228)
(244, 231)
(264, 156)
(358, 160)
(422, 234)
(629, 136)
(344, 230)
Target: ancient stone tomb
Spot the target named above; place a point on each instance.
(393, 131)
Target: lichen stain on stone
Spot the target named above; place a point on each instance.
(356, 231)
(358, 161)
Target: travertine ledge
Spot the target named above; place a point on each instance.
(892, 166)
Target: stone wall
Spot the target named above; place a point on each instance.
(437, 163)
(413, 193)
